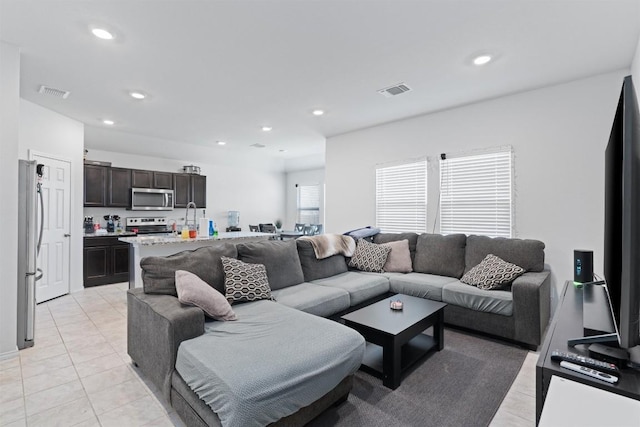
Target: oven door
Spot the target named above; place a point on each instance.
(151, 199)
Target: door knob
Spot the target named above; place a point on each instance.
(67, 235)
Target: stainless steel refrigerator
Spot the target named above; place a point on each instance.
(31, 213)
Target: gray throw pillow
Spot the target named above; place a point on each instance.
(280, 258)
(492, 273)
(399, 259)
(245, 282)
(440, 255)
(369, 256)
(192, 290)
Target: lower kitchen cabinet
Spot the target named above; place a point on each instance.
(106, 260)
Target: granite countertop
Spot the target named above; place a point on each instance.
(168, 239)
(110, 234)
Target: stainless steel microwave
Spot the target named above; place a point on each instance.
(151, 199)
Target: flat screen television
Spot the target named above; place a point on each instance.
(622, 218)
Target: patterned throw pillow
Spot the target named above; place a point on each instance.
(369, 256)
(244, 281)
(492, 273)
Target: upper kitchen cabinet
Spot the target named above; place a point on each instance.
(141, 179)
(163, 180)
(119, 187)
(189, 188)
(95, 185)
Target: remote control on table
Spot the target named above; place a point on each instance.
(598, 365)
(589, 372)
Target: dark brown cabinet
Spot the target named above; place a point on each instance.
(141, 179)
(163, 180)
(95, 185)
(119, 187)
(189, 188)
(106, 260)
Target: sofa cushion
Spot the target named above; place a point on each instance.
(399, 259)
(159, 272)
(369, 256)
(360, 286)
(192, 290)
(440, 255)
(319, 300)
(314, 268)
(492, 273)
(245, 281)
(421, 285)
(495, 301)
(280, 259)
(394, 237)
(526, 253)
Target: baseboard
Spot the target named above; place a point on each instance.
(9, 354)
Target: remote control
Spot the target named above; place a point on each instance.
(598, 365)
(590, 372)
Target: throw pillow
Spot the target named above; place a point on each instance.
(244, 281)
(192, 290)
(492, 273)
(369, 256)
(399, 259)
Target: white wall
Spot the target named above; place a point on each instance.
(558, 134)
(47, 132)
(635, 70)
(256, 191)
(308, 177)
(9, 142)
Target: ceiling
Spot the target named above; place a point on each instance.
(220, 70)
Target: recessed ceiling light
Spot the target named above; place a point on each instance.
(108, 122)
(267, 128)
(137, 95)
(482, 59)
(102, 34)
(221, 143)
(283, 151)
(317, 112)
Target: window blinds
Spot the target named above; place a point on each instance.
(309, 204)
(401, 197)
(476, 194)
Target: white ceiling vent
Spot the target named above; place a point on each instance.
(256, 145)
(394, 90)
(58, 93)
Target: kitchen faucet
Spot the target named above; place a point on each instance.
(186, 215)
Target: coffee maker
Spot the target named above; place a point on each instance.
(111, 225)
(88, 224)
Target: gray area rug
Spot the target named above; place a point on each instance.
(462, 385)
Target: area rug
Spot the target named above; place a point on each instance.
(462, 385)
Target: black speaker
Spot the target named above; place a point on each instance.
(582, 266)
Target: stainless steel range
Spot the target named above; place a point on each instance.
(147, 225)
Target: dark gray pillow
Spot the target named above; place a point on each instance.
(159, 272)
(314, 268)
(394, 237)
(528, 254)
(440, 255)
(279, 257)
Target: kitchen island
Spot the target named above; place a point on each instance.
(169, 244)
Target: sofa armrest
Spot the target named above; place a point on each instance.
(156, 325)
(531, 305)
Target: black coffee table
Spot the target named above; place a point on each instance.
(395, 341)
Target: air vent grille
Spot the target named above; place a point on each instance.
(256, 145)
(58, 93)
(394, 90)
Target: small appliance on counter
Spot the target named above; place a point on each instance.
(88, 225)
(111, 225)
(146, 225)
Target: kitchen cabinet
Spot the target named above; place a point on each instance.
(105, 260)
(119, 187)
(141, 179)
(95, 185)
(162, 180)
(189, 188)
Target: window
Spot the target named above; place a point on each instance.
(476, 194)
(401, 197)
(309, 204)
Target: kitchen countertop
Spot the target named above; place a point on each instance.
(169, 239)
(111, 234)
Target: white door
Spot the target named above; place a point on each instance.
(54, 257)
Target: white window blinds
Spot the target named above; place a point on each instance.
(476, 194)
(401, 197)
(309, 204)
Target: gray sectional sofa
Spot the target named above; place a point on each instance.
(158, 324)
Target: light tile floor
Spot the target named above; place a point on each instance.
(79, 373)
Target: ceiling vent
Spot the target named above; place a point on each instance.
(256, 145)
(394, 90)
(46, 90)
